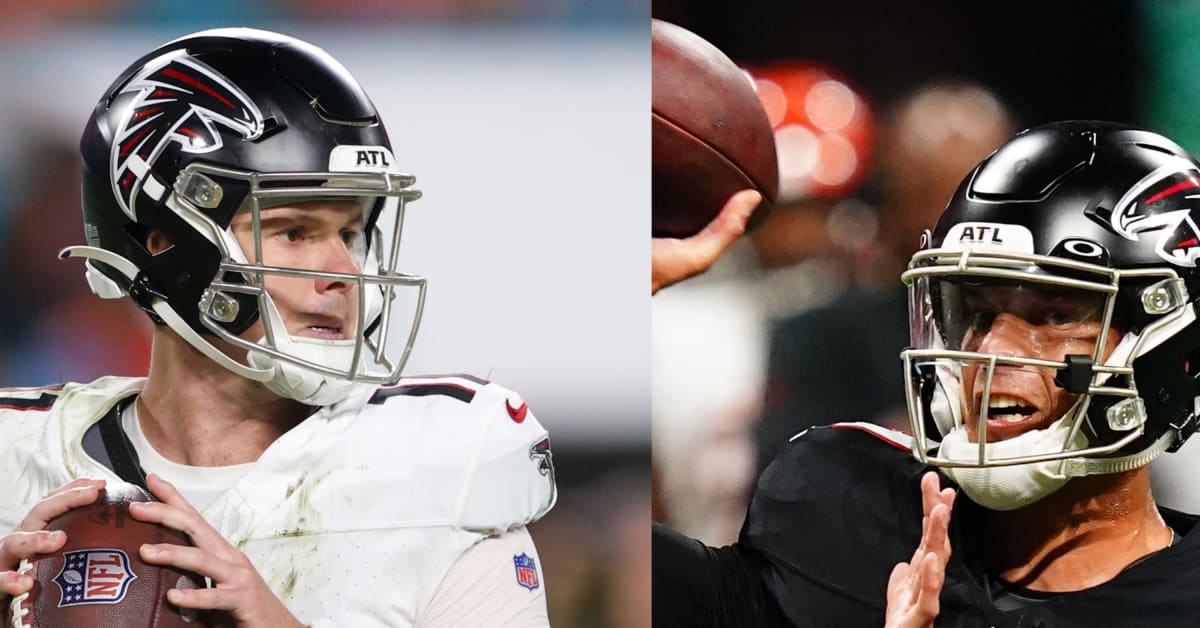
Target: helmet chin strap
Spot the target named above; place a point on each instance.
(281, 377)
(1015, 486)
(1079, 467)
(944, 406)
(296, 382)
(165, 312)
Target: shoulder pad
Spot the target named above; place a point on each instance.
(461, 387)
(851, 447)
(512, 480)
(499, 451)
(35, 399)
(854, 490)
(29, 399)
(897, 439)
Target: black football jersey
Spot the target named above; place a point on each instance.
(835, 512)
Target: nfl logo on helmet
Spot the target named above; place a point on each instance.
(526, 571)
(94, 576)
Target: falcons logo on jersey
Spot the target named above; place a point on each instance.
(1160, 202)
(178, 99)
(541, 455)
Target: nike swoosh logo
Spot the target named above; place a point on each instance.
(518, 413)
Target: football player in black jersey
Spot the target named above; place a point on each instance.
(1055, 353)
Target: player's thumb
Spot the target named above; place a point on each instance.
(738, 209)
(729, 224)
(712, 241)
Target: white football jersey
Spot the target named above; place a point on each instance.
(354, 516)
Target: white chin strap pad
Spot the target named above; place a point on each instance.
(308, 387)
(944, 405)
(372, 293)
(295, 382)
(1013, 486)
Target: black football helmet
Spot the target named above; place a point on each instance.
(1080, 208)
(237, 120)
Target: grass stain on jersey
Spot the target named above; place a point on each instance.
(284, 569)
(289, 583)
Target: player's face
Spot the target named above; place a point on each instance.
(322, 236)
(1041, 322)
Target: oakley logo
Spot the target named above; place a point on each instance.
(1083, 248)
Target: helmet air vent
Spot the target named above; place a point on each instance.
(1031, 166)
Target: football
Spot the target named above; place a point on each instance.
(710, 136)
(98, 578)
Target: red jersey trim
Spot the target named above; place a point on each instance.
(899, 440)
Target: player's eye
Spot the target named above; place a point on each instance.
(1060, 316)
(977, 312)
(1067, 313)
(980, 320)
(295, 234)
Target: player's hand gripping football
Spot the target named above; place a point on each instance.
(673, 260)
(29, 538)
(914, 587)
(237, 587)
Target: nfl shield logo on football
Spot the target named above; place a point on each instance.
(526, 571)
(94, 576)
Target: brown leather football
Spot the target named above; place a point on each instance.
(98, 578)
(710, 135)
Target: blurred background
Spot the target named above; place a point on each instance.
(879, 109)
(524, 122)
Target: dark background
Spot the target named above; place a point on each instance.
(1047, 60)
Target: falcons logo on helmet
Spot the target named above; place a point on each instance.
(178, 99)
(1159, 203)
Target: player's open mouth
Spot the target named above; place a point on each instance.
(1008, 409)
(324, 332)
(1010, 416)
(322, 326)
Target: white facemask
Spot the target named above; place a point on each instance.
(1013, 486)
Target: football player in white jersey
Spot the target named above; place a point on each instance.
(240, 188)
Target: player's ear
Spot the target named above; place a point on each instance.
(157, 241)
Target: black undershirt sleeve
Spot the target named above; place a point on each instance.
(695, 585)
